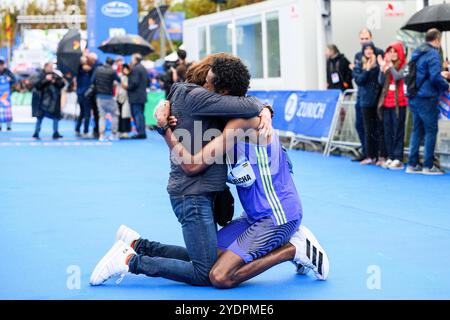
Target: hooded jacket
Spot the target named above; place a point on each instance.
(367, 81)
(393, 91)
(429, 81)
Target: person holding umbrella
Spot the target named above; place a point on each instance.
(429, 84)
(83, 84)
(94, 63)
(137, 94)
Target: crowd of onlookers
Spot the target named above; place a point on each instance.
(113, 90)
(386, 85)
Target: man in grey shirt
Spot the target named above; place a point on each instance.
(198, 111)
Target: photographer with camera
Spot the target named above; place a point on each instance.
(46, 101)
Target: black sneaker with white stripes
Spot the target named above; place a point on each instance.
(309, 253)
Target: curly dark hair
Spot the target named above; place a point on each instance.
(230, 75)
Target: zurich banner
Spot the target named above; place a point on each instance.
(444, 105)
(109, 18)
(307, 113)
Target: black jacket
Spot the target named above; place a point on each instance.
(137, 85)
(340, 66)
(46, 99)
(103, 79)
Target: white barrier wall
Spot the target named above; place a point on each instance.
(282, 42)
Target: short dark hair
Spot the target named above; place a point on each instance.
(432, 34)
(181, 54)
(126, 66)
(109, 61)
(230, 75)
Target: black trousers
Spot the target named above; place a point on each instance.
(124, 123)
(85, 114)
(394, 132)
(95, 114)
(373, 133)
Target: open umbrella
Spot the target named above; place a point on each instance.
(69, 52)
(435, 16)
(126, 45)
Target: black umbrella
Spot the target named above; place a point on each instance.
(126, 45)
(435, 16)
(69, 52)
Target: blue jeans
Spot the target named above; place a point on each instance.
(85, 113)
(394, 132)
(191, 264)
(39, 125)
(425, 114)
(137, 111)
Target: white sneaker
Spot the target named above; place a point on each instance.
(396, 165)
(102, 139)
(387, 164)
(127, 235)
(309, 253)
(113, 263)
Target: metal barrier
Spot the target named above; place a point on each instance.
(343, 132)
(345, 137)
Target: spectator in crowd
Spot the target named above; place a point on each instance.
(366, 77)
(83, 83)
(119, 64)
(137, 94)
(392, 103)
(123, 103)
(4, 71)
(166, 78)
(179, 73)
(339, 75)
(94, 63)
(155, 84)
(46, 101)
(430, 84)
(365, 35)
(103, 80)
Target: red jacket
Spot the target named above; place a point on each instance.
(389, 99)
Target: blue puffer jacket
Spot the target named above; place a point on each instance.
(428, 75)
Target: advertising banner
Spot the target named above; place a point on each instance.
(444, 105)
(109, 18)
(174, 25)
(306, 113)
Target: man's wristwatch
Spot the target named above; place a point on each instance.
(162, 130)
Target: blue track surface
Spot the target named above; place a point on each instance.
(60, 205)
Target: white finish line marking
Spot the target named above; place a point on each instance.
(54, 144)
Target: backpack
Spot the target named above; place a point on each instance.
(410, 79)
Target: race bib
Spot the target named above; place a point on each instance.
(335, 77)
(242, 174)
